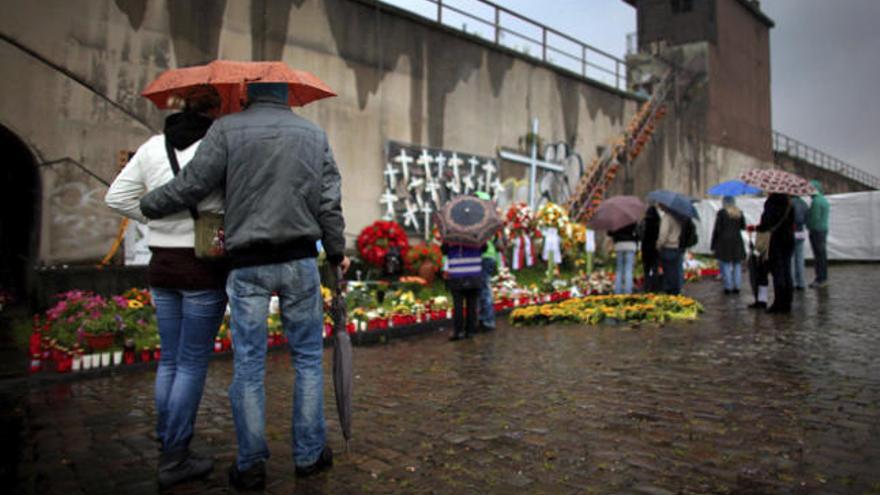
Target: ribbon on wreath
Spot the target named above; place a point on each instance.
(523, 254)
(551, 245)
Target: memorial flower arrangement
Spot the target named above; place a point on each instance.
(519, 220)
(521, 229)
(375, 240)
(554, 216)
(592, 310)
(420, 254)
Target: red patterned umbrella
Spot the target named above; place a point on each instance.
(777, 181)
(230, 79)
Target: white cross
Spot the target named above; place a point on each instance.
(455, 183)
(481, 182)
(409, 216)
(497, 188)
(440, 160)
(420, 201)
(489, 169)
(426, 209)
(416, 183)
(425, 161)
(388, 199)
(468, 184)
(404, 160)
(391, 173)
(533, 163)
(432, 187)
(473, 161)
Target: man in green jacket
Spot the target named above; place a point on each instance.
(817, 223)
(490, 268)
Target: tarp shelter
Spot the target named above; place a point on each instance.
(854, 224)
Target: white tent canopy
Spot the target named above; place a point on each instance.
(853, 233)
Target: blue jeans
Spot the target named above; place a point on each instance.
(623, 275)
(188, 322)
(673, 274)
(487, 304)
(818, 241)
(731, 274)
(302, 314)
(797, 264)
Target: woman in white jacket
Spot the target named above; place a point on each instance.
(188, 292)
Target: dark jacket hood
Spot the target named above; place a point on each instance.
(185, 128)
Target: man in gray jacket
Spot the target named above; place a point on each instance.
(282, 194)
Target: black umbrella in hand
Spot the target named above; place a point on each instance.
(342, 359)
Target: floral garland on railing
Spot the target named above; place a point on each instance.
(593, 310)
(375, 240)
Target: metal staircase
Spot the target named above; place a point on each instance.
(594, 183)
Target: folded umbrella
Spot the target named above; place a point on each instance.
(468, 220)
(733, 188)
(342, 360)
(677, 203)
(617, 212)
(778, 181)
(230, 78)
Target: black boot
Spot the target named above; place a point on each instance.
(182, 465)
(758, 305)
(251, 479)
(324, 462)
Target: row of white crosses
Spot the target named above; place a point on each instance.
(422, 187)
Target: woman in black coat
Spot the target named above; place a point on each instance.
(650, 257)
(727, 244)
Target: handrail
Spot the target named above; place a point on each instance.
(792, 147)
(611, 65)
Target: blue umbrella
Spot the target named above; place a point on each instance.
(733, 188)
(677, 203)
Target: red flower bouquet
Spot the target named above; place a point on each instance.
(423, 253)
(375, 240)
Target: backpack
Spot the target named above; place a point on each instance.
(689, 236)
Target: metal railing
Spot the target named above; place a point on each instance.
(794, 148)
(553, 47)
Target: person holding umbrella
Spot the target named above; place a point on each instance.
(466, 224)
(775, 232)
(727, 244)
(675, 235)
(777, 220)
(620, 215)
(650, 231)
(282, 193)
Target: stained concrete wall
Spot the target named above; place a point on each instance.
(82, 64)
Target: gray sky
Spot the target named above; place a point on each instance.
(824, 62)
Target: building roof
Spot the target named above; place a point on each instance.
(748, 4)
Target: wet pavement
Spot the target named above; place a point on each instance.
(738, 402)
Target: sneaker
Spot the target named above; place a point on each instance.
(182, 466)
(818, 285)
(758, 305)
(251, 479)
(485, 328)
(324, 462)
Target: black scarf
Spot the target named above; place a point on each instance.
(185, 128)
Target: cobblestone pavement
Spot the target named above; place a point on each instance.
(738, 402)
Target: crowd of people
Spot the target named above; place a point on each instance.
(778, 250)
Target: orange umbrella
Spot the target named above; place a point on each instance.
(230, 79)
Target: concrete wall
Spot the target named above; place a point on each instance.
(739, 89)
(84, 62)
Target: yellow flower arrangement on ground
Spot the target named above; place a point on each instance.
(592, 310)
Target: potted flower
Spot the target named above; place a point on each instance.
(424, 260)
